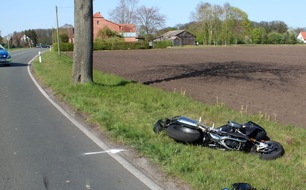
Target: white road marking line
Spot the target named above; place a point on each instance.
(112, 151)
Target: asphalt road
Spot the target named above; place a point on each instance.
(41, 149)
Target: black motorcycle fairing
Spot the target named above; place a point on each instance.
(253, 130)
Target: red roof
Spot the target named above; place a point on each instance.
(128, 27)
(303, 35)
(98, 15)
(124, 27)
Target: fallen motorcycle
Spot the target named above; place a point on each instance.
(248, 137)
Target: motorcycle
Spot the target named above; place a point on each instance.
(248, 137)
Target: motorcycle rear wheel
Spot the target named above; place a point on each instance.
(275, 149)
(184, 134)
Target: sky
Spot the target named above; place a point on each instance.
(19, 15)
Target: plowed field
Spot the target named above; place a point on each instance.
(256, 79)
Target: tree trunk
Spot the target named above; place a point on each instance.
(82, 69)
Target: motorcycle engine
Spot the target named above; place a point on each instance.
(233, 144)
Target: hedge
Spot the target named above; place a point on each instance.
(63, 46)
(162, 44)
(106, 46)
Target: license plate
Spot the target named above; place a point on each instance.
(2, 60)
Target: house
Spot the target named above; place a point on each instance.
(178, 37)
(69, 30)
(302, 37)
(26, 40)
(128, 31)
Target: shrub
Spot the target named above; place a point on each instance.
(162, 44)
(64, 38)
(106, 45)
(63, 47)
(115, 44)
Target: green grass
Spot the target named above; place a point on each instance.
(128, 111)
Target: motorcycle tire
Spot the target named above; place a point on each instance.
(277, 151)
(184, 134)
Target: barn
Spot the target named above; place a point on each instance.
(178, 37)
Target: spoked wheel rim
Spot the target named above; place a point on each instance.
(273, 151)
(271, 148)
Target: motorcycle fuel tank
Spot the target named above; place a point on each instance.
(187, 121)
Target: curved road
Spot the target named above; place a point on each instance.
(41, 149)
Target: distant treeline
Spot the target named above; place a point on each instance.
(223, 25)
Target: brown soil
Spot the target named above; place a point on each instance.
(267, 79)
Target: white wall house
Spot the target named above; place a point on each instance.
(26, 40)
(302, 37)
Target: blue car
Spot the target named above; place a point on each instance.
(5, 57)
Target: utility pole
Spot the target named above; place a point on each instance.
(58, 41)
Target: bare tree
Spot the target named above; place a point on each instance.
(16, 38)
(125, 12)
(150, 20)
(82, 69)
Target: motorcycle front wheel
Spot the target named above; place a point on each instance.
(184, 134)
(273, 151)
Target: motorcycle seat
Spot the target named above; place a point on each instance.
(234, 124)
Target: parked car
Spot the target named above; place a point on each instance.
(5, 57)
(42, 46)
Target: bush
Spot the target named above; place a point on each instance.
(105, 45)
(162, 44)
(117, 45)
(129, 45)
(275, 38)
(64, 38)
(63, 47)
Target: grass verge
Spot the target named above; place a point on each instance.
(128, 111)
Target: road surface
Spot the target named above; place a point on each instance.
(41, 149)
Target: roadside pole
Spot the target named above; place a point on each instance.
(39, 56)
(58, 41)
